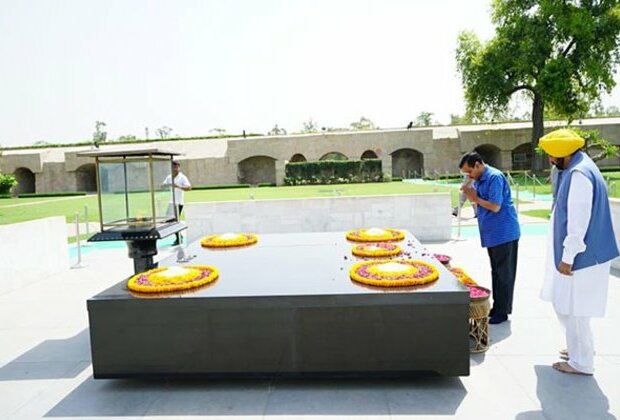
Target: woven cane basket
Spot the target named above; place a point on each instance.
(480, 307)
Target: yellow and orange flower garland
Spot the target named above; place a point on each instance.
(379, 249)
(375, 235)
(170, 279)
(475, 291)
(226, 240)
(393, 273)
(462, 276)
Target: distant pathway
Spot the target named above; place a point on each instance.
(32, 203)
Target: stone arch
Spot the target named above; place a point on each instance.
(26, 181)
(86, 178)
(407, 163)
(334, 156)
(490, 153)
(522, 157)
(257, 170)
(369, 154)
(298, 157)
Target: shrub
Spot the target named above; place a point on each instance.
(52, 194)
(219, 187)
(7, 181)
(333, 172)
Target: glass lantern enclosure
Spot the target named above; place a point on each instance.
(135, 192)
(136, 201)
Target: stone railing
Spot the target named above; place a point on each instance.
(32, 251)
(427, 216)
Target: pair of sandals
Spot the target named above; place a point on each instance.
(564, 367)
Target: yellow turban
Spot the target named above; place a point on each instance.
(561, 143)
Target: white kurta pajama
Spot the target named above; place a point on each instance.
(583, 295)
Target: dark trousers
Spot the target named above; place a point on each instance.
(503, 271)
(180, 209)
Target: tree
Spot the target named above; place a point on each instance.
(363, 124)
(561, 53)
(598, 110)
(99, 136)
(218, 131)
(275, 131)
(424, 119)
(456, 119)
(310, 126)
(164, 132)
(596, 146)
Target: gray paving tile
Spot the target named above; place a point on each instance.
(45, 372)
(425, 396)
(14, 395)
(526, 336)
(329, 397)
(30, 371)
(493, 392)
(564, 396)
(212, 398)
(113, 398)
(68, 349)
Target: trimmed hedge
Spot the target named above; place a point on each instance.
(266, 184)
(333, 172)
(220, 187)
(56, 194)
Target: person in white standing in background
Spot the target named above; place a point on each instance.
(181, 184)
(581, 246)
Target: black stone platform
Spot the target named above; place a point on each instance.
(283, 307)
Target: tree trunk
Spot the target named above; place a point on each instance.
(538, 130)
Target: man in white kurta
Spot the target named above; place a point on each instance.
(583, 294)
(577, 294)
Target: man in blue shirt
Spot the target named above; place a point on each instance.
(499, 229)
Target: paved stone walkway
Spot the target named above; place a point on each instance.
(45, 368)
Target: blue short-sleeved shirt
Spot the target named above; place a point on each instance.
(503, 226)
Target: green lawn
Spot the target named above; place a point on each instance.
(542, 213)
(15, 210)
(612, 179)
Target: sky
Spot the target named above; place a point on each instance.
(199, 65)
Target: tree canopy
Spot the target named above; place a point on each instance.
(424, 119)
(363, 124)
(562, 53)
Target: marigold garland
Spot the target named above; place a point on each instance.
(393, 273)
(170, 279)
(378, 249)
(462, 276)
(375, 235)
(229, 240)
